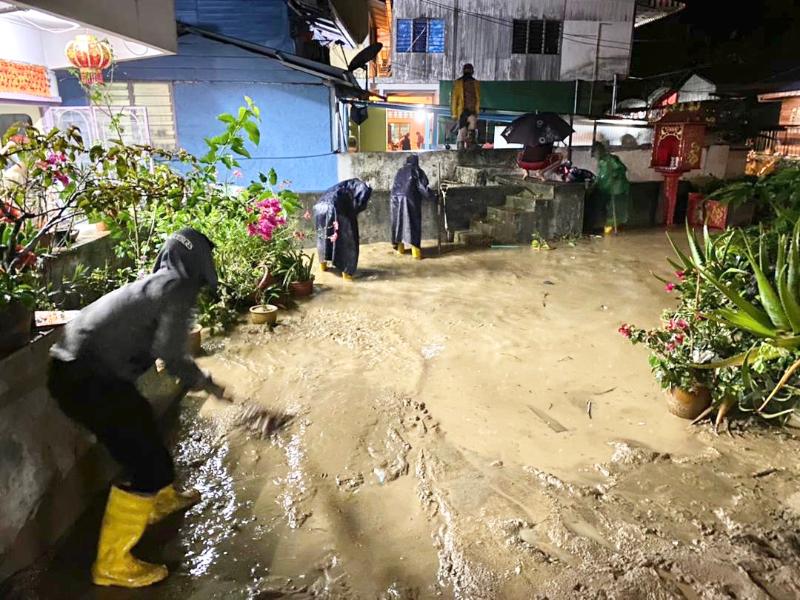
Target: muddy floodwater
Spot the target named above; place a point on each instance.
(471, 426)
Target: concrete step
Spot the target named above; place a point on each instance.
(513, 225)
(503, 233)
(472, 238)
(473, 176)
(524, 201)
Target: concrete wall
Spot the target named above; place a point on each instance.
(379, 168)
(50, 469)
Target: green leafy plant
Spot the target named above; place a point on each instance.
(296, 267)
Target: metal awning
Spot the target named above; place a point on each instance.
(334, 75)
(648, 11)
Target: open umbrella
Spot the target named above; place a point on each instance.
(537, 129)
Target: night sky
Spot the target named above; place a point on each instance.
(733, 42)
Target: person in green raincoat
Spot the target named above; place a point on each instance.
(613, 188)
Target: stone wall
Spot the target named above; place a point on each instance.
(50, 469)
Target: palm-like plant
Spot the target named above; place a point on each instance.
(772, 317)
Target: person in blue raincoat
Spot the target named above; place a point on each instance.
(410, 188)
(336, 221)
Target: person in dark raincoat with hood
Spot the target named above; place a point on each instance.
(336, 220)
(92, 376)
(410, 188)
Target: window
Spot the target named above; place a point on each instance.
(420, 35)
(156, 97)
(535, 37)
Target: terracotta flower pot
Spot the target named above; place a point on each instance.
(195, 340)
(15, 327)
(688, 404)
(302, 289)
(101, 226)
(263, 313)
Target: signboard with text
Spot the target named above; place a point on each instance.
(27, 83)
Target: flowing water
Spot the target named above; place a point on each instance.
(472, 426)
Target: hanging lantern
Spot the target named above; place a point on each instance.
(90, 56)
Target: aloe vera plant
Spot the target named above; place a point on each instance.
(772, 316)
(776, 315)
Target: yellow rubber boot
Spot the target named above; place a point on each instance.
(347, 276)
(416, 253)
(400, 248)
(323, 266)
(123, 525)
(608, 230)
(169, 500)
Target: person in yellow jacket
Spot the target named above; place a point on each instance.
(465, 104)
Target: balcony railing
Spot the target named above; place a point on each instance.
(96, 124)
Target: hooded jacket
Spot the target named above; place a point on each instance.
(124, 332)
(409, 189)
(336, 220)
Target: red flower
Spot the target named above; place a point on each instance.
(680, 275)
(334, 237)
(300, 235)
(25, 258)
(677, 325)
(307, 215)
(679, 339)
(625, 330)
(670, 287)
(670, 346)
(63, 179)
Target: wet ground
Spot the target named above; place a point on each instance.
(470, 426)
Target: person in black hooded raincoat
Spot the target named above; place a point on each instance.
(92, 375)
(410, 188)
(336, 220)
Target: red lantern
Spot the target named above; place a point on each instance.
(90, 56)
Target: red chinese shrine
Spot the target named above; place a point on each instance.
(677, 149)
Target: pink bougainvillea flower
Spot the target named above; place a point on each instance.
(300, 235)
(680, 275)
(677, 325)
(237, 173)
(670, 287)
(61, 178)
(670, 346)
(625, 330)
(56, 158)
(679, 339)
(336, 225)
(270, 217)
(334, 237)
(307, 215)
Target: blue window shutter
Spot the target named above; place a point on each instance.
(420, 43)
(436, 36)
(405, 30)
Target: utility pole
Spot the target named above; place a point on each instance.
(455, 40)
(596, 64)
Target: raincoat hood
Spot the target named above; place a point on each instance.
(189, 253)
(360, 192)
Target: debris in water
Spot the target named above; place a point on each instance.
(259, 420)
(548, 282)
(608, 391)
(497, 463)
(548, 420)
(589, 408)
(765, 472)
(544, 299)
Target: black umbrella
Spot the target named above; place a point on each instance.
(537, 129)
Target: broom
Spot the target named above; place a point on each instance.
(258, 421)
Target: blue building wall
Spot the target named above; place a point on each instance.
(210, 78)
(264, 22)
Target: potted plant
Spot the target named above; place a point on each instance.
(264, 311)
(298, 278)
(675, 353)
(196, 339)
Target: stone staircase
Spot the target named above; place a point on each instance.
(535, 210)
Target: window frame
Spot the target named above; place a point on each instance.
(132, 102)
(413, 24)
(528, 25)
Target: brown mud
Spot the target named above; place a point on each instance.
(468, 427)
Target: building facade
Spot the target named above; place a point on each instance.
(228, 49)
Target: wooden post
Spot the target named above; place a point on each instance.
(439, 202)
